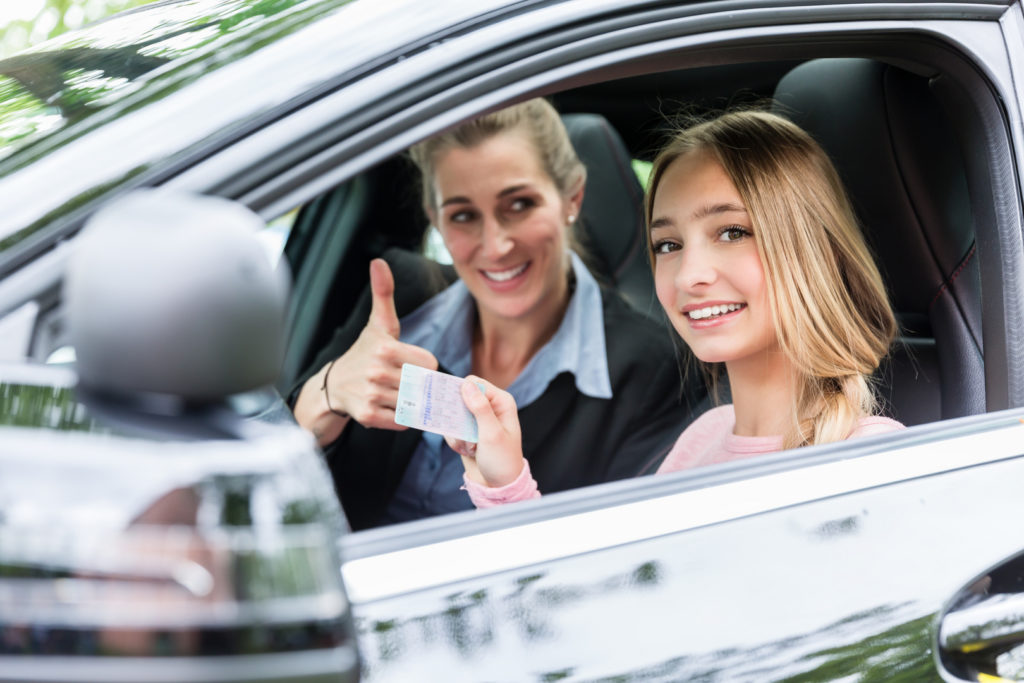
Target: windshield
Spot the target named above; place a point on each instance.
(152, 51)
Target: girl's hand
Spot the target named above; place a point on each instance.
(497, 458)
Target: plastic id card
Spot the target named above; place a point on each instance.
(430, 400)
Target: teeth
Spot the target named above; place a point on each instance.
(709, 311)
(503, 275)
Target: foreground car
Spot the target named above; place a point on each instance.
(895, 557)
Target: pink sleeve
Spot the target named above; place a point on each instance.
(876, 424)
(522, 487)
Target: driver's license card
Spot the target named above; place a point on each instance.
(430, 400)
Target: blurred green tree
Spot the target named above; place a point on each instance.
(27, 22)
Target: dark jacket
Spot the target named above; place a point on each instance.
(569, 438)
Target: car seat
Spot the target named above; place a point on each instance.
(612, 218)
(898, 156)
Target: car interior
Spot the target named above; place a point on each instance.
(884, 128)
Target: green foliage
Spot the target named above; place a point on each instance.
(23, 405)
(35, 21)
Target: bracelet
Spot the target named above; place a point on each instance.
(327, 396)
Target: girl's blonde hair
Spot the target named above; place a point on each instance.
(829, 306)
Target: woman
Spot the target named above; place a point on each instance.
(594, 380)
(762, 270)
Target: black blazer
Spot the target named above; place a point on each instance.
(569, 438)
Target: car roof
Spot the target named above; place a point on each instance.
(87, 121)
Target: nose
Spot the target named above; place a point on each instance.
(696, 269)
(497, 242)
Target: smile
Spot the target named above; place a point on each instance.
(712, 311)
(505, 275)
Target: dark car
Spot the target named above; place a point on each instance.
(894, 557)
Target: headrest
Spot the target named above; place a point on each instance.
(612, 216)
(895, 151)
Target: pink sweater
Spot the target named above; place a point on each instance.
(707, 441)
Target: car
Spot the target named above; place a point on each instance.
(893, 557)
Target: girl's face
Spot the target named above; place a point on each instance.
(707, 272)
(504, 222)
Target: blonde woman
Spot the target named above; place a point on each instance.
(763, 272)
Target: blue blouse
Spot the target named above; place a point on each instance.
(432, 483)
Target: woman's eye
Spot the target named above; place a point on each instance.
(462, 216)
(665, 246)
(520, 204)
(734, 233)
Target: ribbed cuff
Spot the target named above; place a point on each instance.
(522, 487)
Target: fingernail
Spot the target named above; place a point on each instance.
(481, 387)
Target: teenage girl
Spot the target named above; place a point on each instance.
(762, 270)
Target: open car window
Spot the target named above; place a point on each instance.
(931, 266)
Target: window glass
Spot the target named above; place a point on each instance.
(275, 235)
(643, 171)
(433, 247)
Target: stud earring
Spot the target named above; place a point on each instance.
(572, 218)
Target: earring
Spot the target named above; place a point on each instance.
(572, 218)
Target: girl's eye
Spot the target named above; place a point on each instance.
(666, 246)
(734, 233)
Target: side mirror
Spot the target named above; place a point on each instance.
(172, 307)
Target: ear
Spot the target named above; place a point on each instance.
(574, 197)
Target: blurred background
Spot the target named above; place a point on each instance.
(28, 22)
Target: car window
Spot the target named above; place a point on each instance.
(911, 381)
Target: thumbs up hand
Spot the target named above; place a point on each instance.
(363, 382)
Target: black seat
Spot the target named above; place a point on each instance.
(896, 152)
(612, 217)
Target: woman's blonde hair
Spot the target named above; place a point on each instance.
(829, 306)
(536, 118)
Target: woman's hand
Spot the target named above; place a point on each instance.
(497, 457)
(363, 382)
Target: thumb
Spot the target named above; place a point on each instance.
(486, 421)
(382, 287)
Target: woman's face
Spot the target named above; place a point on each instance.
(707, 272)
(504, 223)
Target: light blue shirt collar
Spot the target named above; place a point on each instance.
(444, 326)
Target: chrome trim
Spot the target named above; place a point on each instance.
(338, 665)
(417, 568)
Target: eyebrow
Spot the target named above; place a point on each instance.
(504, 193)
(715, 209)
(703, 212)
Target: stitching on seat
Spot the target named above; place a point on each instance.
(956, 273)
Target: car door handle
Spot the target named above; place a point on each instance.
(991, 622)
(981, 636)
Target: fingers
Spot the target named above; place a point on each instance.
(416, 355)
(500, 406)
(498, 458)
(383, 315)
(463, 448)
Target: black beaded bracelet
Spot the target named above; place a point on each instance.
(327, 396)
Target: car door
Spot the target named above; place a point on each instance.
(835, 563)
